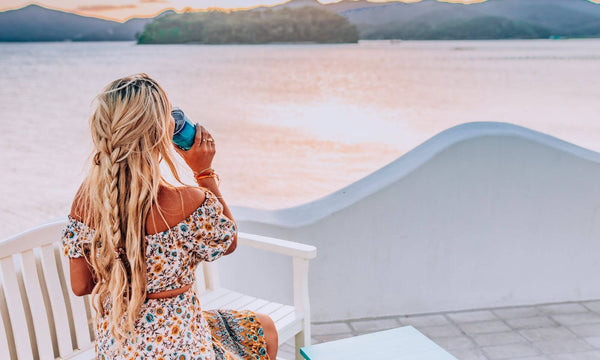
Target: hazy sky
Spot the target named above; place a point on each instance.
(120, 10)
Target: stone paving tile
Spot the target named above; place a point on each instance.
(509, 351)
(594, 341)
(440, 331)
(559, 331)
(551, 333)
(577, 319)
(517, 312)
(423, 320)
(586, 330)
(330, 328)
(481, 327)
(588, 355)
(562, 346)
(454, 342)
(502, 338)
(366, 326)
(592, 305)
(471, 316)
(565, 308)
(468, 354)
(530, 322)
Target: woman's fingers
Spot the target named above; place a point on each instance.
(207, 138)
(199, 135)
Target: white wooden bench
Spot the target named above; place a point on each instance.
(41, 318)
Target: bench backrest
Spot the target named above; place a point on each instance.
(40, 317)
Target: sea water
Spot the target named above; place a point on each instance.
(291, 123)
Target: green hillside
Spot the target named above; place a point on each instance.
(306, 24)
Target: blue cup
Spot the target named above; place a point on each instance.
(185, 131)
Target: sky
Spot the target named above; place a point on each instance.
(124, 9)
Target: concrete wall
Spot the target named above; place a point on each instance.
(483, 214)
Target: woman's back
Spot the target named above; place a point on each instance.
(174, 244)
(176, 325)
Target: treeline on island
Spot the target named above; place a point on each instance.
(307, 24)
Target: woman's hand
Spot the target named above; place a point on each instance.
(199, 157)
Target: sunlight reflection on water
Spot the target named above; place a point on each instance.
(337, 120)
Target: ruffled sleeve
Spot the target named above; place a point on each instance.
(212, 231)
(76, 238)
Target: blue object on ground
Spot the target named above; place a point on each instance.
(403, 343)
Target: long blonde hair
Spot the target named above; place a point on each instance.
(130, 133)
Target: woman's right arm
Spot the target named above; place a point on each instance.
(211, 184)
(82, 282)
(82, 279)
(199, 157)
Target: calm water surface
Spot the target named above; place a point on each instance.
(292, 123)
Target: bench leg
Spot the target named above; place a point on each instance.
(301, 339)
(301, 303)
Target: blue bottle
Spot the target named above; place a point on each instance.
(185, 130)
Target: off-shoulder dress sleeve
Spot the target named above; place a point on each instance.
(76, 238)
(212, 231)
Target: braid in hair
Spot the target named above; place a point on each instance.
(129, 131)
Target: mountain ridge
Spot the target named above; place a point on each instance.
(426, 19)
(57, 25)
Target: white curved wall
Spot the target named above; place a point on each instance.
(483, 214)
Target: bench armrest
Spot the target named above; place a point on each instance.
(280, 246)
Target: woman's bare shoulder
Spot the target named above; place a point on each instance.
(195, 195)
(174, 205)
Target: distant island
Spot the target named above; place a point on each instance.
(422, 20)
(305, 24)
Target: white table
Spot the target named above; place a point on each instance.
(403, 343)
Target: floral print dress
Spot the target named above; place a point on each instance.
(177, 327)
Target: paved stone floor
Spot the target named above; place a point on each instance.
(559, 331)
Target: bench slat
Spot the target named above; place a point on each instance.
(287, 320)
(57, 300)
(288, 326)
(281, 312)
(16, 309)
(4, 337)
(212, 295)
(256, 304)
(80, 317)
(222, 301)
(36, 304)
(270, 308)
(240, 303)
(200, 281)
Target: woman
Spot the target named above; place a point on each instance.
(134, 239)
